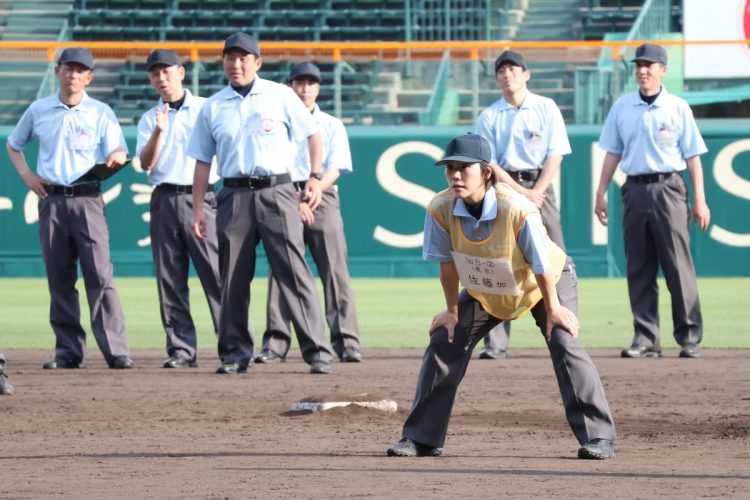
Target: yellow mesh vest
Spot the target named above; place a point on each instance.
(512, 210)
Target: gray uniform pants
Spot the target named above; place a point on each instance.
(656, 218)
(174, 246)
(325, 238)
(71, 230)
(444, 366)
(499, 337)
(245, 216)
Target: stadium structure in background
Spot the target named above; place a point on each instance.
(425, 65)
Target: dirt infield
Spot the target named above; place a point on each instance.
(684, 431)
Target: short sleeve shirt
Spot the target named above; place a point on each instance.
(71, 139)
(521, 138)
(651, 138)
(252, 135)
(336, 151)
(173, 165)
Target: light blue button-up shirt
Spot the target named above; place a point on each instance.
(655, 138)
(254, 135)
(522, 138)
(173, 165)
(531, 240)
(336, 151)
(71, 140)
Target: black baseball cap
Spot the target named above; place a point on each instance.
(651, 53)
(304, 69)
(161, 57)
(242, 41)
(511, 57)
(468, 148)
(77, 55)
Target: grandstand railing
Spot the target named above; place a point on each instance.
(440, 97)
(598, 87)
(480, 52)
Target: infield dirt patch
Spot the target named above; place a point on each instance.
(684, 430)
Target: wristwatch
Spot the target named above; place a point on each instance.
(316, 175)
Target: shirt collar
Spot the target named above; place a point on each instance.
(489, 207)
(659, 101)
(186, 104)
(60, 104)
(504, 105)
(259, 85)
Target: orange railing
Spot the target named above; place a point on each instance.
(478, 53)
(467, 50)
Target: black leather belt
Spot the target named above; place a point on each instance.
(257, 182)
(179, 189)
(300, 185)
(87, 189)
(651, 178)
(525, 175)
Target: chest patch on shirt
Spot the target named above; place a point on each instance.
(83, 139)
(260, 125)
(666, 136)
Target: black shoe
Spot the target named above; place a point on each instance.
(410, 448)
(641, 351)
(320, 367)
(269, 356)
(5, 387)
(492, 353)
(351, 356)
(231, 369)
(122, 363)
(597, 449)
(690, 351)
(177, 362)
(61, 363)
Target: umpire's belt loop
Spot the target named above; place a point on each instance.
(257, 182)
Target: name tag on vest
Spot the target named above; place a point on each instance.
(481, 274)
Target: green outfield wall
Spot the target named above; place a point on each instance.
(384, 199)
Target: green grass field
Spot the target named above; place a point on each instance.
(392, 313)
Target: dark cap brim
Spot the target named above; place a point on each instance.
(460, 159)
(303, 75)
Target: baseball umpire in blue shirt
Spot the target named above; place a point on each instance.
(75, 132)
(252, 127)
(653, 136)
(528, 140)
(323, 234)
(163, 132)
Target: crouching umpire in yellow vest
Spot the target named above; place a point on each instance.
(491, 240)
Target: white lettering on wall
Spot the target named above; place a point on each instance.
(391, 182)
(732, 183)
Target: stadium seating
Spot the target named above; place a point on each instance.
(133, 94)
(600, 17)
(201, 20)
